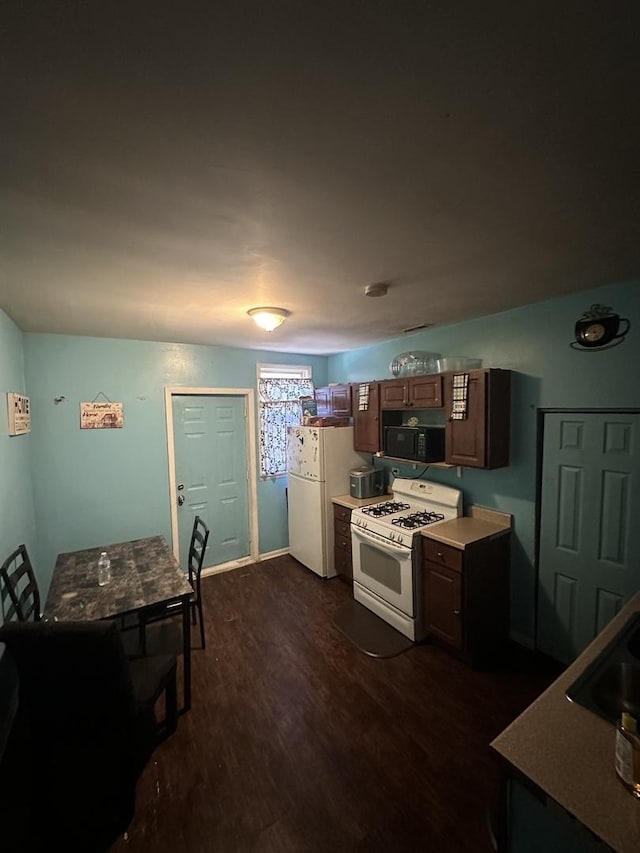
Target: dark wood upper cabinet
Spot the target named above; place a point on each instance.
(415, 392)
(425, 392)
(366, 416)
(481, 440)
(334, 401)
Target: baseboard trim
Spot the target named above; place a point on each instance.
(245, 561)
(523, 640)
(281, 552)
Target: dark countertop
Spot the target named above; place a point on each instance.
(144, 572)
(568, 752)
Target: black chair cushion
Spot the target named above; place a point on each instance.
(88, 724)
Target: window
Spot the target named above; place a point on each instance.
(280, 387)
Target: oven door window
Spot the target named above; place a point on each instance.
(381, 567)
(385, 571)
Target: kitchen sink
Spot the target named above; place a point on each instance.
(611, 682)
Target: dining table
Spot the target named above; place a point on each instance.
(144, 574)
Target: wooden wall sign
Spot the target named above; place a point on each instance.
(19, 413)
(106, 415)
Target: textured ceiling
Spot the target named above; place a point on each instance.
(166, 167)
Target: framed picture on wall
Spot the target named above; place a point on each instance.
(19, 412)
(105, 415)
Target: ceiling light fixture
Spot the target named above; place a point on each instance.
(268, 318)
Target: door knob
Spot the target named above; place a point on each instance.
(180, 486)
(180, 500)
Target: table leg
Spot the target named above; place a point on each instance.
(186, 651)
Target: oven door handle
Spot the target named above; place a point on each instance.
(378, 541)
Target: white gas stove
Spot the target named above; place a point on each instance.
(386, 550)
(414, 505)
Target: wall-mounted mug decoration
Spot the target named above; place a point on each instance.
(599, 328)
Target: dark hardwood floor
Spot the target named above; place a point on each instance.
(299, 742)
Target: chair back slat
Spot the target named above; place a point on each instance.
(195, 562)
(20, 584)
(197, 550)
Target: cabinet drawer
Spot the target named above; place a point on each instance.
(443, 555)
(342, 529)
(343, 542)
(342, 560)
(341, 513)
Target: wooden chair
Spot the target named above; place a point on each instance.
(86, 726)
(195, 561)
(19, 582)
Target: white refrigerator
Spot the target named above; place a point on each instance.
(319, 460)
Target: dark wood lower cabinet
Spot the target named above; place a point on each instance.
(342, 541)
(466, 597)
(444, 594)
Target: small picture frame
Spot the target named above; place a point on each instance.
(19, 412)
(105, 415)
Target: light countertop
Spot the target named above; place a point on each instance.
(568, 752)
(354, 503)
(480, 523)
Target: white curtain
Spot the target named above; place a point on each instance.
(279, 407)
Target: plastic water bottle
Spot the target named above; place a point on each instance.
(104, 569)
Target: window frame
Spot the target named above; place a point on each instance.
(266, 371)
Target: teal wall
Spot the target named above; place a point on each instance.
(94, 486)
(532, 341)
(17, 519)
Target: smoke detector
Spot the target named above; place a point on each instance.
(379, 288)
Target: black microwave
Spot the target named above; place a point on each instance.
(418, 444)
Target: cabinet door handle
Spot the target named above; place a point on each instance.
(456, 612)
(440, 554)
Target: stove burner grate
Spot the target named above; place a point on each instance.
(417, 519)
(386, 508)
